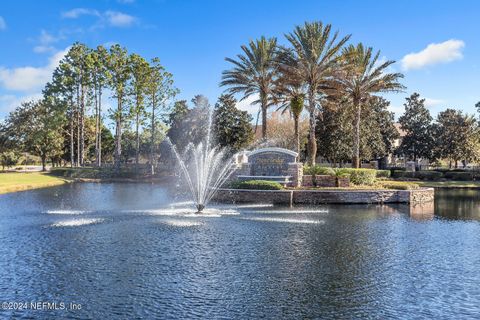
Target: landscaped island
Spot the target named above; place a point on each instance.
(273, 175)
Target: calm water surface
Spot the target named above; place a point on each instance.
(128, 251)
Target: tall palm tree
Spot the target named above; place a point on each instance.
(363, 75)
(254, 72)
(312, 59)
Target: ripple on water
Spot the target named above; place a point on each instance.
(287, 220)
(287, 211)
(66, 211)
(76, 222)
(190, 212)
(182, 223)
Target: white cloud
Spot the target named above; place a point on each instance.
(30, 79)
(110, 17)
(398, 110)
(434, 53)
(45, 41)
(9, 102)
(3, 24)
(119, 19)
(77, 12)
(433, 102)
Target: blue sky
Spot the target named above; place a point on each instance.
(435, 43)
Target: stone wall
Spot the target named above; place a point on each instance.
(325, 196)
(325, 181)
(307, 181)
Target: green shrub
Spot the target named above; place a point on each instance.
(399, 174)
(400, 185)
(318, 170)
(88, 173)
(383, 173)
(422, 175)
(256, 185)
(397, 168)
(459, 176)
(442, 170)
(428, 175)
(360, 176)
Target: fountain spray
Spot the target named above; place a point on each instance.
(205, 167)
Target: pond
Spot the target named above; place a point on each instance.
(130, 251)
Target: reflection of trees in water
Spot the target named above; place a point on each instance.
(457, 204)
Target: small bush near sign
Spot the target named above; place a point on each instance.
(360, 176)
(256, 185)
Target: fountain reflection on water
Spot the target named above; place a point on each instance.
(206, 167)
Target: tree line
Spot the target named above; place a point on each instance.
(336, 83)
(453, 136)
(68, 123)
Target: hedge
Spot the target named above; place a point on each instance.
(428, 175)
(400, 185)
(359, 176)
(256, 185)
(422, 175)
(383, 173)
(318, 170)
(459, 176)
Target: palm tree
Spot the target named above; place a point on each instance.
(312, 59)
(254, 72)
(289, 95)
(362, 76)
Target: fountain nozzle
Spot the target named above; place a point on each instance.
(200, 207)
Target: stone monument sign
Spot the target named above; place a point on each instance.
(271, 161)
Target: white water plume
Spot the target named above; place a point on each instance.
(205, 168)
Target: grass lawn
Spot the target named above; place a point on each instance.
(11, 182)
(449, 184)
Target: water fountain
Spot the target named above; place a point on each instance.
(205, 167)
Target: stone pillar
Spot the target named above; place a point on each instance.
(295, 170)
(244, 169)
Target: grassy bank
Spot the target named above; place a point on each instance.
(12, 182)
(449, 184)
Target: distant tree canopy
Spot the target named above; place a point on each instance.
(34, 127)
(231, 127)
(457, 137)
(188, 125)
(417, 123)
(335, 130)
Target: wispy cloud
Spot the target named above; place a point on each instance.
(30, 79)
(9, 102)
(109, 17)
(429, 102)
(46, 41)
(119, 19)
(3, 24)
(434, 53)
(78, 12)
